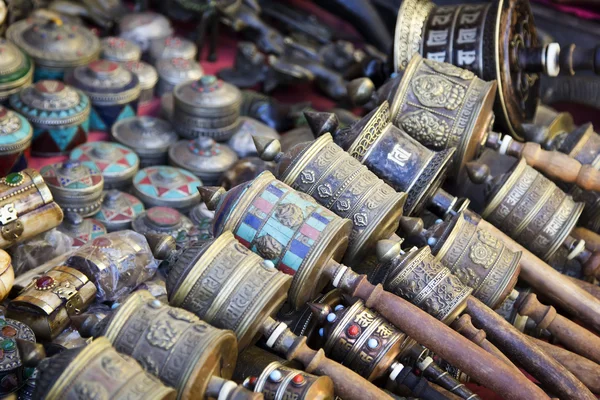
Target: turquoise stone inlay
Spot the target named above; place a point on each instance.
(41, 73)
(102, 118)
(16, 136)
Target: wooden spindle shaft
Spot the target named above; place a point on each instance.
(587, 371)
(590, 288)
(544, 368)
(557, 288)
(480, 365)
(557, 165)
(574, 337)
(464, 326)
(592, 239)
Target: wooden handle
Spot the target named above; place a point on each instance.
(553, 376)
(556, 287)
(465, 327)
(592, 289)
(348, 384)
(592, 239)
(419, 386)
(560, 166)
(441, 339)
(574, 337)
(588, 372)
(436, 375)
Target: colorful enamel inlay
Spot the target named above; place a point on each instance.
(282, 226)
(91, 230)
(110, 158)
(166, 183)
(102, 118)
(125, 208)
(79, 176)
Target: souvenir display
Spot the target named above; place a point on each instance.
(47, 304)
(113, 91)
(118, 164)
(81, 230)
(172, 47)
(207, 107)
(164, 220)
(16, 70)
(203, 157)
(76, 187)
(451, 214)
(59, 114)
(118, 210)
(27, 207)
(97, 368)
(147, 76)
(142, 28)
(149, 137)
(15, 138)
(120, 50)
(296, 225)
(496, 40)
(173, 71)
(167, 186)
(54, 46)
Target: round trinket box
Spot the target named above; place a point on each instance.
(204, 157)
(54, 46)
(117, 163)
(144, 27)
(207, 107)
(118, 210)
(16, 69)
(174, 71)
(120, 50)
(149, 137)
(59, 115)
(75, 187)
(241, 142)
(163, 220)
(147, 76)
(113, 92)
(172, 47)
(166, 106)
(167, 186)
(15, 138)
(13, 373)
(81, 230)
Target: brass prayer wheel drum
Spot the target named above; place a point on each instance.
(280, 379)
(279, 382)
(228, 286)
(172, 344)
(361, 339)
(395, 157)
(97, 371)
(443, 106)
(27, 207)
(531, 209)
(287, 228)
(477, 258)
(420, 278)
(493, 40)
(343, 185)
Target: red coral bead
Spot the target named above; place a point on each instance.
(354, 330)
